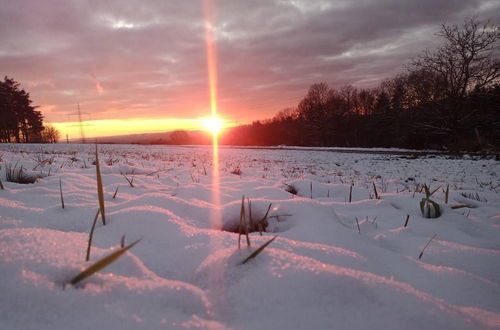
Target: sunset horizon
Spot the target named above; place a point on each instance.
(144, 66)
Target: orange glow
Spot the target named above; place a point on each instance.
(111, 127)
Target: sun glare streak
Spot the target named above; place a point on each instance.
(211, 55)
(217, 286)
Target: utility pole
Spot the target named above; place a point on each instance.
(82, 133)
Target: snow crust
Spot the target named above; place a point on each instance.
(322, 272)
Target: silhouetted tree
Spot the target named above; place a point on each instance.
(19, 120)
(313, 109)
(466, 61)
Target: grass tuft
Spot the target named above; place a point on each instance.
(258, 251)
(428, 207)
(100, 264)
(17, 175)
(236, 170)
(291, 189)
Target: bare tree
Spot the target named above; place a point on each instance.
(467, 59)
(50, 134)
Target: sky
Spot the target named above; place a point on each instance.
(141, 66)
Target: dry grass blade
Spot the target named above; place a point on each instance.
(100, 264)
(243, 229)
(1, 184)
(116, 191)
(407, 218)
(264, 219)
(130, 181)
(250, 218)
(60, 191)
(350, 193)
(357, 224)
(375, 190)
(100, 191)
(91, 234)
(446, 194)
(461, 206)
(259, 250)
(425, 247)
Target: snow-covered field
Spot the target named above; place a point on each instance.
(321, 272)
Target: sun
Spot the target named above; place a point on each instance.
(212, 124)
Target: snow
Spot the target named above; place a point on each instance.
(320, 273)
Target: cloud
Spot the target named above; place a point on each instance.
(149, 57)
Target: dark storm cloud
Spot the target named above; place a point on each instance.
(147, 58)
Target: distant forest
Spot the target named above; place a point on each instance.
(446, 99)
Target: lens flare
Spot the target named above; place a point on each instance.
(217, 290)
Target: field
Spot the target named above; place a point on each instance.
(353, 250)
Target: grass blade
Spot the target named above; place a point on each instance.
(130, 182)
(100, 264)
(446, 194)
(60, 190)
(100, 191)
(407, 218)
(1, 184)
(259, 250)
(375, 190)
(243, 229)
(264, 218)
(91, 234)
(114, 195)
(350, 193)
(425, 247)
(460, 206)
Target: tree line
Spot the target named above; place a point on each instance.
(19, 119)
(449, 98)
